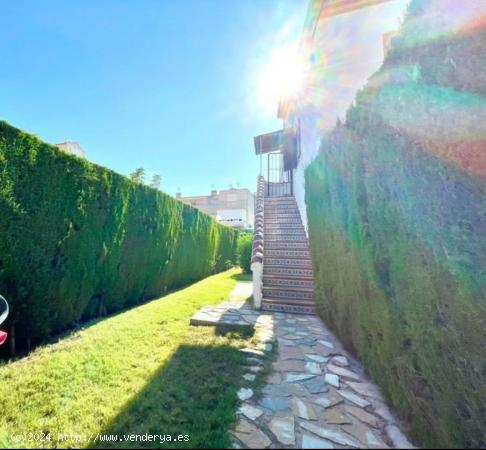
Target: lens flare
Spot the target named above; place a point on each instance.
(281, 77)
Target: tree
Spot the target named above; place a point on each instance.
(156, 180)
(138, 175)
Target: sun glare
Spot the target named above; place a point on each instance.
(282, 76)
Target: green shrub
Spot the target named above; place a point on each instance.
(78, 240)
(245, 243)
(396, 227)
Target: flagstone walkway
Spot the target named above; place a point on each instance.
(318, 396)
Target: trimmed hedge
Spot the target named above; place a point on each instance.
(78, 241)
(397, 234)
(245, 248)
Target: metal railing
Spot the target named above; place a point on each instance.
(258, 243)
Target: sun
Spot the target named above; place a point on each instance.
(281, 77)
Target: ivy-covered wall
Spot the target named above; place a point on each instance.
(78, 241)
(396, 205)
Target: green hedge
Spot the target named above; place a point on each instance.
(245, 248)
(397, 234)
(78, 241)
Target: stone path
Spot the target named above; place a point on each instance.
(317, 396)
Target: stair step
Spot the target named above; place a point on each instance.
(278, 238)
(288, 283)
(298, 231)
(288, 294)
(269, 305)
(287, 253)
(291, 225)
(281, 216)
(287, 262)
(285, 245)
(287, 271)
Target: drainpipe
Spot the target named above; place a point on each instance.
(257, 252)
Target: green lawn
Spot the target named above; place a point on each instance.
(142, 371)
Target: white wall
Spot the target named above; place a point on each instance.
(346, 50)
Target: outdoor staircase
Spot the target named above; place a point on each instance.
(287, 269)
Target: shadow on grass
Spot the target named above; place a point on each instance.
(242, 277)
(235, 332)
(193, 394)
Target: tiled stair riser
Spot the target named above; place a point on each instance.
(287, 262)
(286, 245)
(286, 271)
(288, 253)
(283, 221)
(288, 283)
(287, 294)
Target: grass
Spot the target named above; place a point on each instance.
(143, 371)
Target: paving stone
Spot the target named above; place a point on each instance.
(294, 377)
(283, 429)
(333, 434)
(321, 350)
(289, 329)
(290, 353)
(326, 343)
(303, 409)
(253, 360)
(274, 378)
(274, 404)
(362, 415)
(249, 376)
(341, 361)
(316, 386)
(383, 411)
(309, 341)
(292, 337)
(367, 389)
(286, 342)
(290, 366)
(353, 398)
(275, 390)
(313, 367)
(343, 372)
(311, 442)
(317, 358)
(364, 435)
(255, 369)
(332, 379)
(250, 435)
(252, 351)
(337, 417)
(398, 438)
(250, 411)
(328, 401)
(245, 394)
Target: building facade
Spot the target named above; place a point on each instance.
(231, 207)
(342, 45)
(71, 147)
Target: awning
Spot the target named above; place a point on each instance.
(269, 142)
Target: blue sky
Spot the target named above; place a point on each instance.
(164, 84)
